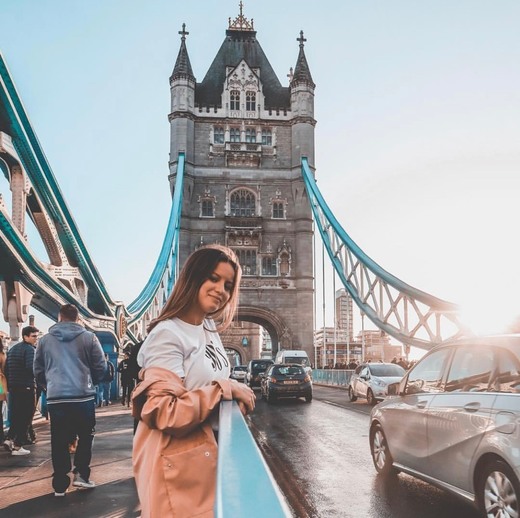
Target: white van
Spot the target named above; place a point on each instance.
(294, 356)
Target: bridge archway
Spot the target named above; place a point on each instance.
(271, 321)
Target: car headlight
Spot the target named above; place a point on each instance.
(378, 382)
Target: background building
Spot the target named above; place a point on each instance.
(243, 135)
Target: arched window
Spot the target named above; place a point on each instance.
(234, 135)
(250, 135)
(269, 266)
(267, 137)
(234, 100)
(278, 212)
(247, 260)
(218, 135)
(207, 209)
(250, 101)
(243, 203)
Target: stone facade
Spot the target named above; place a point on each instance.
(243, 135)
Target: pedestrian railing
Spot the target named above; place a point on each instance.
(245, 485)
(336, 377)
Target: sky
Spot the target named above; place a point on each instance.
(417, 137)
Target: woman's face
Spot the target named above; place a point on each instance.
(215, 292)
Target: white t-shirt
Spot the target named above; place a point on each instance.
(193, 352)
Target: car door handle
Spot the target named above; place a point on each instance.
(472, 407)
(421, 404)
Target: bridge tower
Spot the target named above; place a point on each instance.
(243, 135)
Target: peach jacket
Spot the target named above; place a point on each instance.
(175, 451)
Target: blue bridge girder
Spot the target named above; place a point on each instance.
(70, 276)
(408, 314)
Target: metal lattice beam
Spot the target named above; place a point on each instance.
(411, 316)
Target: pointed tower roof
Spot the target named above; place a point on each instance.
(302, 72)
(182, 66)
(241, 43)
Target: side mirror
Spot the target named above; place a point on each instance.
(393, 389)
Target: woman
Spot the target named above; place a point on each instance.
(3, 388)
(185, 376)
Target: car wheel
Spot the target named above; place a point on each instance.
(371, 400)
(380, 453)
(498, 490)
(308, 398)
(351, 395)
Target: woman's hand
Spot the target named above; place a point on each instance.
(244, 396)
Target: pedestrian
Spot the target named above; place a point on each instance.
(69, 361)
(106, 382)
(3, 388)
(127, 378)
(22, 390)
(185, 376)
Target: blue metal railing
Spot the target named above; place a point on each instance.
(335, 377)
(245, 485)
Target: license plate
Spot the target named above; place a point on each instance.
(291, 382)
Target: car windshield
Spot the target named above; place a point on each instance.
(260, 365)
(288, 370)
(383, 370)
(241, 368)
(300, 360)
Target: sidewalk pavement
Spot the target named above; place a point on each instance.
(25, 482)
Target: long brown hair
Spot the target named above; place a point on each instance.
(198, 268)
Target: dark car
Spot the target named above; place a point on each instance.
(286, 380)
(254, 369)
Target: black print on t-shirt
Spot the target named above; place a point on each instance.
(218, 360)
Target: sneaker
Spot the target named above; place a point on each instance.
(59, 494)
(8, 445)
(79, 481)
(20, 451)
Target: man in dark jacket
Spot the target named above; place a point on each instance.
(69, 361)
(127, 377)
(22, 390)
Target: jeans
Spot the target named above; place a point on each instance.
(128, 386)
(105, 394)
(69, 420)
(21, 411)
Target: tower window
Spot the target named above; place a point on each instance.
(218, 135)
(269, 266)
(234, 135)
(234, 100)
(247, 260)
(250, 135)
(243, 203)
(267, 138)
(207, 209)
(278, 210)
(250, 101)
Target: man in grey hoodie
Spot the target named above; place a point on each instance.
(68, 362)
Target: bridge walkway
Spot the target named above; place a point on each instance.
(25, 482)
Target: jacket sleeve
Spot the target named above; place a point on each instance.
(98, 364)
(39, 367)
(178, 415)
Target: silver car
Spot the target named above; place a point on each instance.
(455, 423)
(371, 380)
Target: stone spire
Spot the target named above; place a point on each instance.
(182, 66)
(302, 73)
